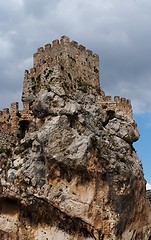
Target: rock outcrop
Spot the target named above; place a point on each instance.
(71, 172)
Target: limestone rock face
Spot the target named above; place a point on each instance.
(68, 168)
(74, 174)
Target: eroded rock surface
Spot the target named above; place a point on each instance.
(71, 171)
(74, 175)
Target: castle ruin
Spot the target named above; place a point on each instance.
(67, 61)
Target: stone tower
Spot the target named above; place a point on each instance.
(65, 61)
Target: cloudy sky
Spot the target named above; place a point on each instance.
(119, 31)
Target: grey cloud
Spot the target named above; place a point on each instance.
(38, 8)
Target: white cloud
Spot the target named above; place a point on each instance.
(148, 186)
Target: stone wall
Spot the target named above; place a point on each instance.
(118, 104)
(9, 122)
(61, 59)
(6, 139)
(4, 120)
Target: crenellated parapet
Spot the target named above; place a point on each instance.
(66, 53)
(117, 104)
(64, 59)
(10, 119)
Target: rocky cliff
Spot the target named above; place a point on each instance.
(72, 173)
